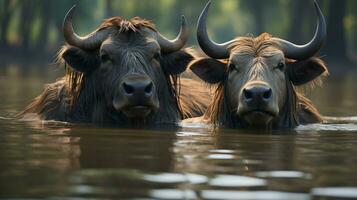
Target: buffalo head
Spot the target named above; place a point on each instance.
(128, 63)
(258, 73)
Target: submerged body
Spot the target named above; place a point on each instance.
(124, 72)
(257, 79)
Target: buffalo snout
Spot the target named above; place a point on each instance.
(137, 88)
(257, 104)
(137, 96)
(257, 95)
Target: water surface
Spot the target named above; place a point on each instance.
(78, 161)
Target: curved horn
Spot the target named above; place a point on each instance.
(301, 52)
(91, 41)
(169, 46)
(211, 48)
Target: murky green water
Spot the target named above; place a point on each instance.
(60, 161)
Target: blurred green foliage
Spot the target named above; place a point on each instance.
(35, 25)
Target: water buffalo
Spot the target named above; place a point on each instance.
(257, 78)
(124, 72)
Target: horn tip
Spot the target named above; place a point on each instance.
(73, 8)
(69, 14)
(203, 15)
(317, 7)
(319, 12)
(208, 4)
(183, 20)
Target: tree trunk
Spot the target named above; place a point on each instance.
(5, 23)
(258, 17)
(45, 17)
(336, 45)
(26, 24)
(109, 8)
(255, 7)
(298, 10)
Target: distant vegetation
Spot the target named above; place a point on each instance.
(34, 26)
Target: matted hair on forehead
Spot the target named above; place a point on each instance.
(261, 46)
(134, 24)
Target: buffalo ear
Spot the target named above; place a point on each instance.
(80, 60)
(175, 63)
(304, 71)
(209, 70)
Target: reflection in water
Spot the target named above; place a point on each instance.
(51, 159)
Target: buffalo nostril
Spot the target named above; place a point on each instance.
(148, 88)
(128, 88)
(248, 94)
(267, 94)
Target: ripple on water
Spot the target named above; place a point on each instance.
(188, 133)
(236, 181)
(194, 125)
(221, 156)
(173, 194)
(283, 174)
(175, 178)
(327, 127)
(253, 195)
(339, 120)
(226, 194)
(224, 151)
(4, 118)
(91, 190)
(335, 192)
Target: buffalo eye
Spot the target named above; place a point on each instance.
(104, 58)
(281, 66)
(232, 67)
(157, 56)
